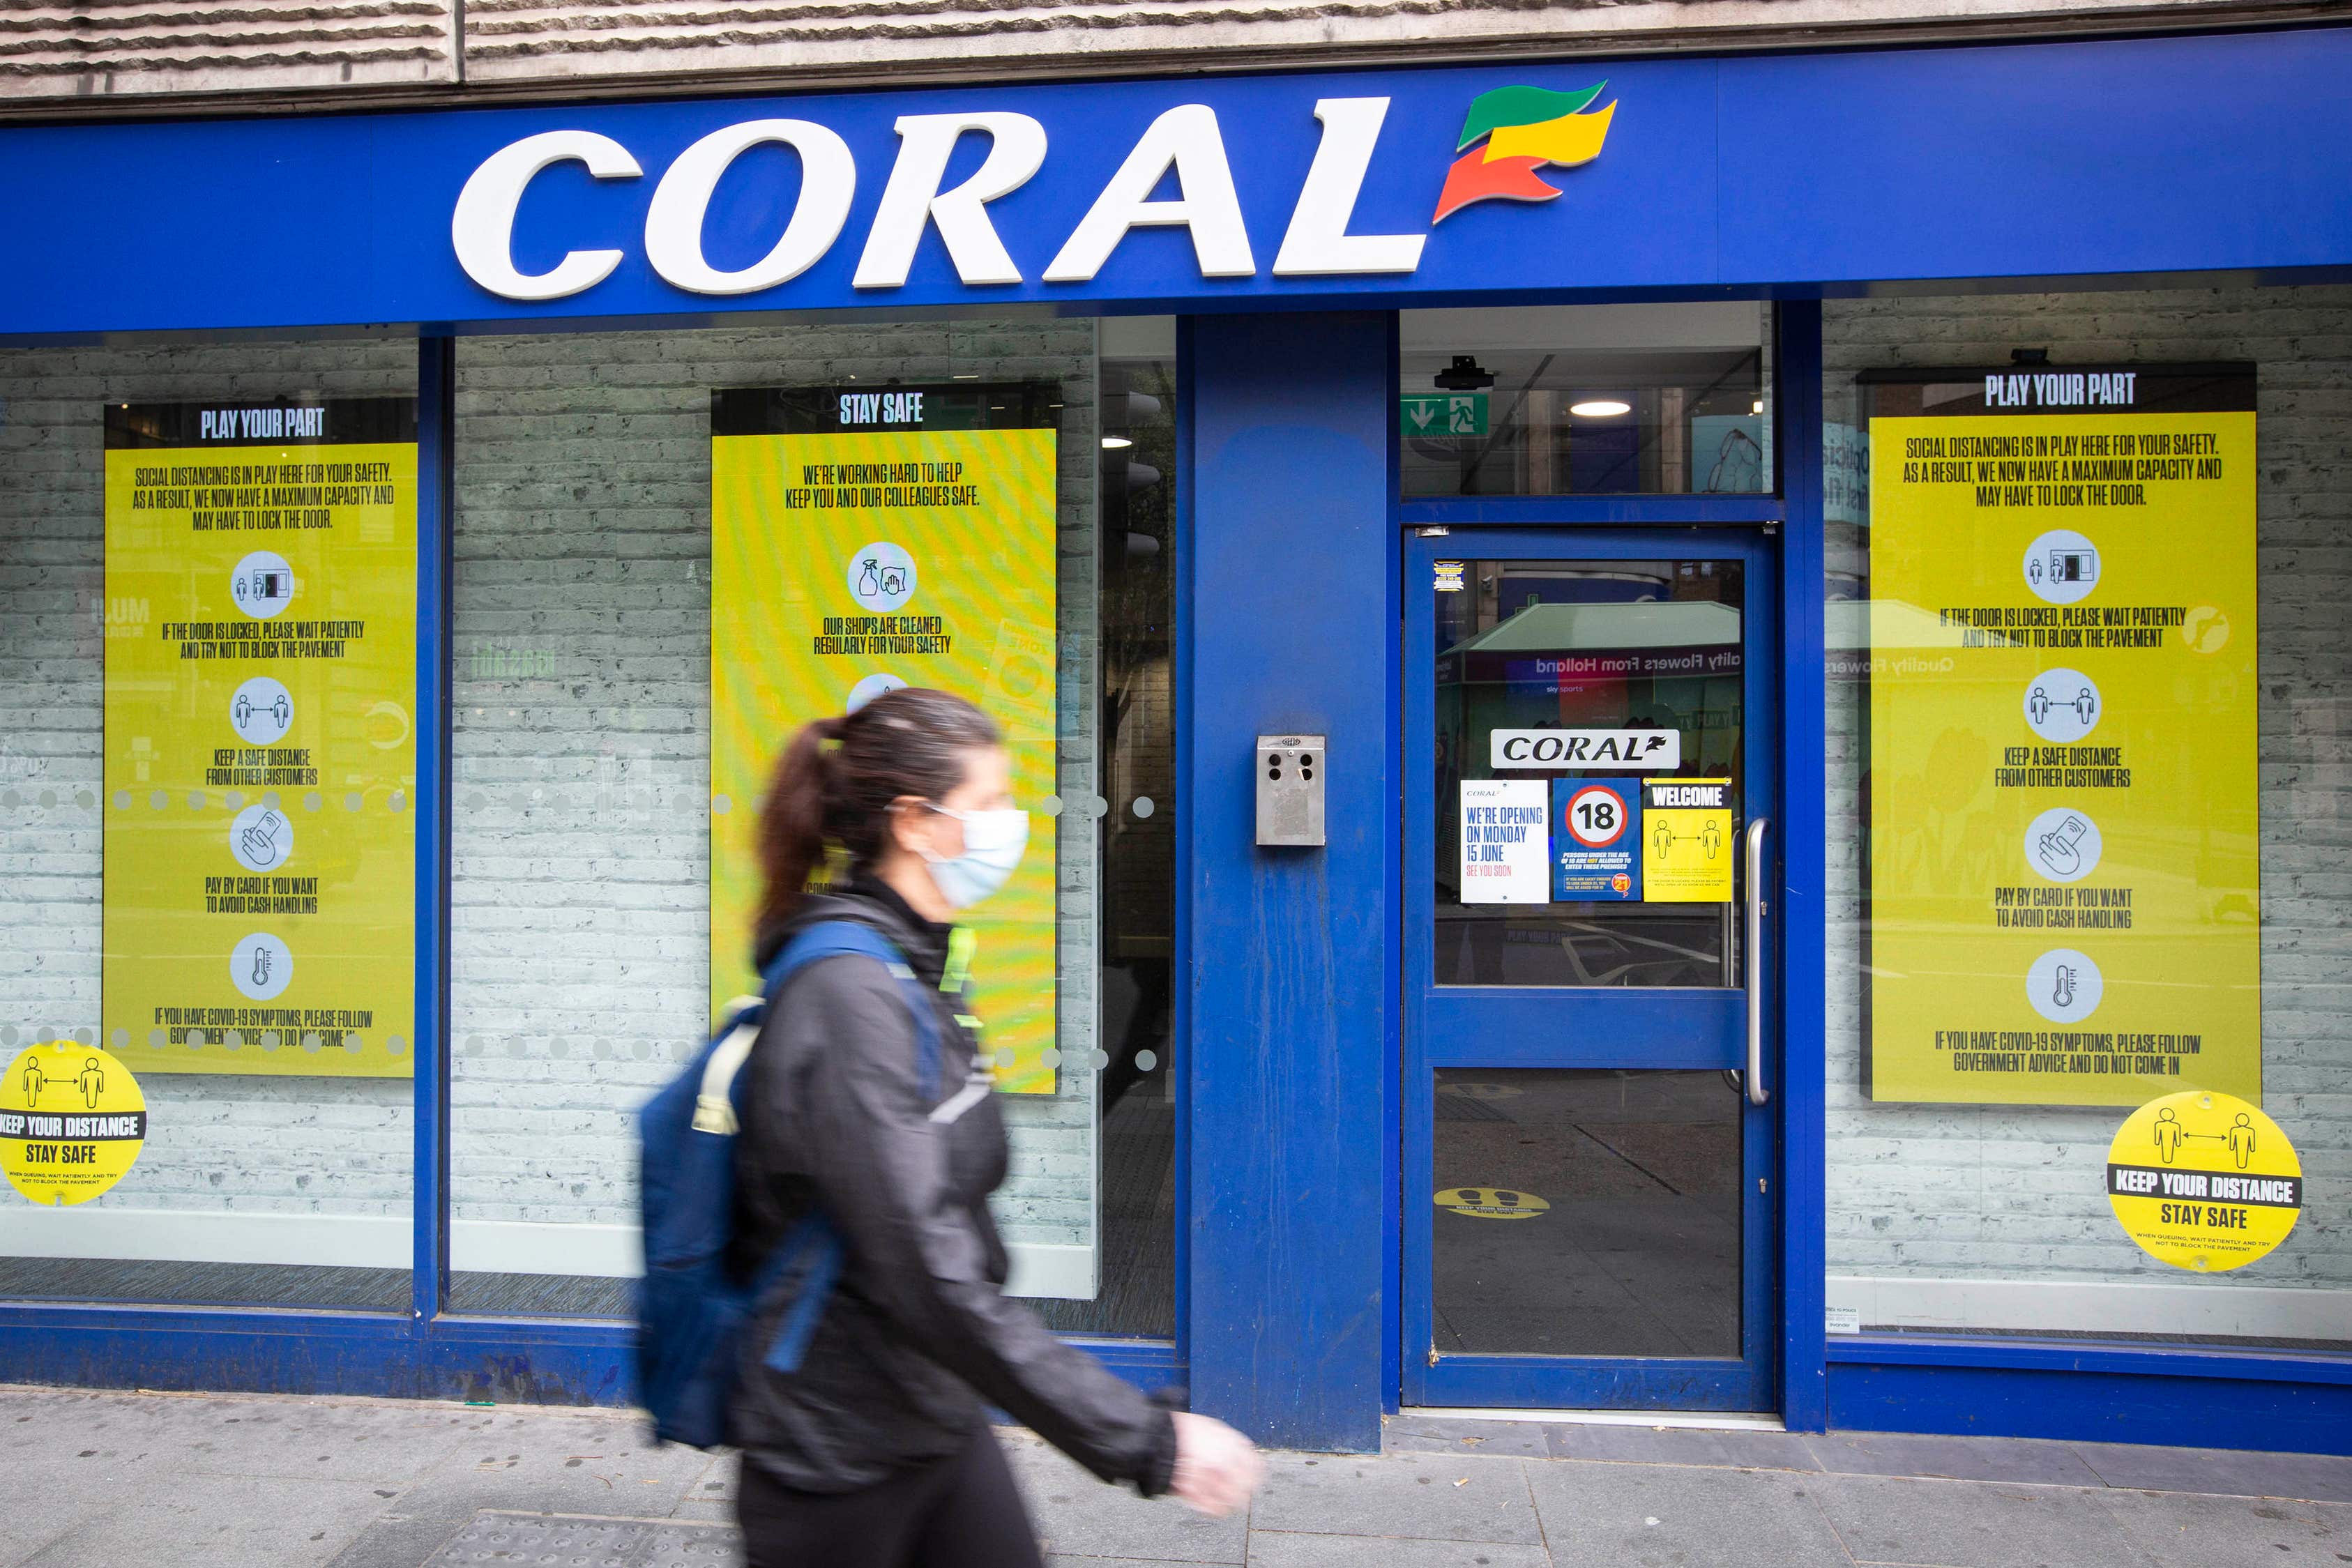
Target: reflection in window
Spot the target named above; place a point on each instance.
(1585, 1212)
(1584, 400)
(1590, 648)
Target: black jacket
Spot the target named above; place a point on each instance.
(918, 1331)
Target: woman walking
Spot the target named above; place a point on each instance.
(876, 1450)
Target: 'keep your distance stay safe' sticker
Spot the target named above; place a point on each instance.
(2204, 1181)
(72, 1121)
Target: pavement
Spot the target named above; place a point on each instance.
(276, 1483)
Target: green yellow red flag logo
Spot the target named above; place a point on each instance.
(1524, 127)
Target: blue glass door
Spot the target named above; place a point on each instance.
(1591, 889)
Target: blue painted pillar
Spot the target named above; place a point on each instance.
(1289, 600)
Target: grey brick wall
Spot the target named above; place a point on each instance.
(582, 755)
(252, 1145)
(84, 53)
(2010, 1194)
(121, 56)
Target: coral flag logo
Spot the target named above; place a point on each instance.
(1524, 128)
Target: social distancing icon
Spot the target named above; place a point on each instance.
(2063, 706)
(261, 712)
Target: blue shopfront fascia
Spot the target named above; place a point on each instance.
(2212, 155)
(2207, 154)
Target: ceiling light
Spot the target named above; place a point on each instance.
(1600, 407)
(964, 376)
(1756, 407)
(1113, 443)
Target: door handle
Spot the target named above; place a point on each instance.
(1753, 963)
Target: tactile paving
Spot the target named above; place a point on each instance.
(560, 1540)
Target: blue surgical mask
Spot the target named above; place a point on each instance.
(992, 844)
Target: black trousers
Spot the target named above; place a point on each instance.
(963, 1512)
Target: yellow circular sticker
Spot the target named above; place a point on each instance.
(1492, 1202)
(72, 1121)
(2204, 1181)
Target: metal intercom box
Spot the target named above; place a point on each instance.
(1290, 770)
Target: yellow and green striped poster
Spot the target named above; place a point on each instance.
(847, 563)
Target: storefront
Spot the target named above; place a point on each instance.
(1687, 718)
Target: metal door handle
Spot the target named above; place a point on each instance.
(1754, 962)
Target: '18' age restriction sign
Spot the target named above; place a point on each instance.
(1596, 839)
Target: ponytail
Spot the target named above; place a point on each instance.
(833, 787)
(791, 821)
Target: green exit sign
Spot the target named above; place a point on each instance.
(1443, 414)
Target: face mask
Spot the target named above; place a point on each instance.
(992, 843)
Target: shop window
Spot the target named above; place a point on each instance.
(1586, 400)
(207, 775)
(2090, 1034)
(658, 538)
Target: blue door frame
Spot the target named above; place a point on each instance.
(1595, 1027)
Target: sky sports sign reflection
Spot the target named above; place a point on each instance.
(1177, 174)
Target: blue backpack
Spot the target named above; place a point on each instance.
(692, 1307)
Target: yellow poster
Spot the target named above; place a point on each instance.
(847, 561)
(260, 754)
(1686, 849)
(2063, 898)
(2204, 1181)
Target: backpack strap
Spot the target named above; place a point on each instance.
(840, 938)
(814, 1245)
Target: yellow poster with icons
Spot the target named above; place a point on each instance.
(260, 853)
(849, 561)
(2064, 890)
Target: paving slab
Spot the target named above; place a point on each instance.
(506, 1539)
(1974, 1524)
(2190, 1532)
(216, 1522)
(1625, 1516)
(255, 1436)
(1410, 1434)
(1429, 1497)
(1953, 1458)
(1681, 1446)
(258, 1481)
(1282, 1549)
(2320, 1478)
(1077, 1515)
(532, 1462)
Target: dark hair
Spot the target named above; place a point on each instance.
(835, 783)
